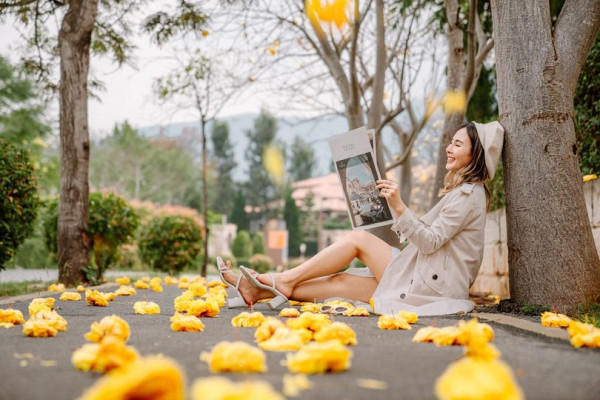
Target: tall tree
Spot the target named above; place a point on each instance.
(552, 256)
(302, 160)
(238, 213)
(225, 163)
(291, 215)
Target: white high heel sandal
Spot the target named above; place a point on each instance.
(279, 298)
(235, 302)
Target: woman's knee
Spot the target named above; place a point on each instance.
(359, 237)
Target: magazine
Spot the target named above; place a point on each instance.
(354, 158)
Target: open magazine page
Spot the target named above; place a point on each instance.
(355, 164)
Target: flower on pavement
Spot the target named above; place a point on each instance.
(289, 313)
(237, 357)
(140, 284)
(70, 296)
(312, 322)
(310, 307)
(111, 325)
(336, 331)
(80, 288)
(124, 280)
(44, 324)
(357, 312)
(41, 304)
(11, 316)
(218, 388)
(182, 302)
(293, 384)
(267, 328)
(318, 358)
(584, 335)
(555, 320)
(149, 378)
(218, 298)
(186, 323)
(146, 307)
(169, 280)
(248, 320)
(155, 285)
(110, 353)
(204, 308)
(125, 290)
(56, 287)
(212, 284)
(387, 321)
(283, 339)
(95, 298)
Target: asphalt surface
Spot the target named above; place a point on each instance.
(545, 368)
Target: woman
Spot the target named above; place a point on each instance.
(432, 275)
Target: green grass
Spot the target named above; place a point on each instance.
(589, 314)
(16, 288)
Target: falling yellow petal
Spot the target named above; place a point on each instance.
(205, 33)
(274, 163)
(455, 102)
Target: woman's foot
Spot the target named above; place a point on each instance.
(284, 285)
(249, 293)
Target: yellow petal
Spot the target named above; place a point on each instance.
(124, 280)
(108, 326)
(70, 296)
(248, 320)
(11, 316)
(237, 357)
(318, 358)
(146, 307)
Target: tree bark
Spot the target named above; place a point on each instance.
(205, 228)
(72, 231)
(551, 252)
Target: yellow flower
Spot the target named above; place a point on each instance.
(108, 326)
(289, 313)
(145, 279)
(70, 296)
(204, 308)
(51, 318)
(11, 316)
(357, 312)
(248, 320)
(198, 289)
(107, 355)
(475, 378)
(140, 284)
(39, 328)
(267, 328)
(283, 339)
(109, 296)
(125, 290)
(311, 307)
(183, 284)
(186, 323)
(555, 320)
(169, 280)
(146, 307)
(218, 388)
(336, 331)
(237, 357)
(217, 291)
(272, 51)
(156, 288)
(591, 177)
(410, 317)
(182, 303)
(80, 288)
(124, 280)
(56, 287)
(149, 378)
(155, 281)
(297, 303)
(310, 321)
(294, 384)
(41, 304)
(455, 102)
(387, 321)
(317, 358)
(95, 298)
(6, 325)
(184, 279)
(212, 284)
(584, 335)
(218, 298)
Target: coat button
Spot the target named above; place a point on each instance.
(434, 277)
(411, 281)
(402, 295)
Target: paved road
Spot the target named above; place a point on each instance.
(545, 368)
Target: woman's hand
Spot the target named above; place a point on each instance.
(390, 191)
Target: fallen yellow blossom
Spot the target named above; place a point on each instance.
(311, 307)
(198, 279)
(283, 339)
(289, 313)
(204, 308)
(267, 328)
(336, 331)
(357, 312)
(6, 325)
(125, 290)
(297, 303)
(293, 384)
(248, 320)
(198, 289)
(70, 296)
(217, 291)
(41, 304)
(182, 303)
(184, 279)
(183, 284)
(41, 328)
(155, 281)
(124, 280)
(109, 296)
(80, 288)
(95, 298)
(186, 323)
(218, 298)
(11, 316)
(102, 357)
(317, 358)
(149, 378)
(387, 321)
(56, 287)
(584, 335)
(145, 279)
(555, 320)
(146, 307)
(156, 288)
(169, 280)
(218, 388)
(212, 284)
(111, 325)
(140, 284)
(237, 357)
(51, 318)
(312, 322)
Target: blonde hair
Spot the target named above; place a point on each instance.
(475, 171)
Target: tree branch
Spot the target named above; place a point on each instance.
(470, 73)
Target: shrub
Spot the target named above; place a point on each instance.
(261, 263)
(258, 244)
(242, 245)
(170, 243)
(33, 253)
(19, 200)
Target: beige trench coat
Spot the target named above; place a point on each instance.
(433, 274)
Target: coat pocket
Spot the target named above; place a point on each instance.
(433, 282)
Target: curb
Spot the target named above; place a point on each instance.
(537, 328)
(31, 296)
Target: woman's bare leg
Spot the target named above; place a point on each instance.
(374, 252)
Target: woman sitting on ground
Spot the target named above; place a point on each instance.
(432, 275)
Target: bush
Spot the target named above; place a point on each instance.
(261, 263)
(112, 222)
(33, 253)
(170, 243)
(19, 200)
(242, 245)
(258, 244)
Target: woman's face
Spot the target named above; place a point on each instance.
(458, 151)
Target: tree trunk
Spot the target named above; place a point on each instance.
(405, 174)
(72, 230)
(551, 252)
(204, 200)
